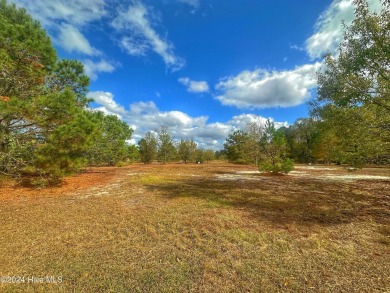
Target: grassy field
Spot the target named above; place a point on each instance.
(214, 227)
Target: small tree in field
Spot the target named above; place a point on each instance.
(235, 147)
(166, 148)
(148, 148)
(273, 147)
(186, 150)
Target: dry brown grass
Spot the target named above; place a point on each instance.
(192, 228)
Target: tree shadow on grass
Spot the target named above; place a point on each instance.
(286, 200)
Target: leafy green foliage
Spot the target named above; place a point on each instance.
(360, 74)
(220, 155)
(280, 166)
(235, 147)
(46, 129)
(26, 55)
(69, 74)
(354, 88)
(273, 147)
(147, 147)
(186, 150)
(208, 155)
(302, 139)
(109, 146)
(202, 156)
(20, 34)
(62, 151)
(242, 146)
(166, 148)
(133, 153)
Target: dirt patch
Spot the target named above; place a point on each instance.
(92, 181)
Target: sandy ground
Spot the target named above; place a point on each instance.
(313, 172)
(103, 180)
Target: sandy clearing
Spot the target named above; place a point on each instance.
(353, 177)
(234, 177)
(317, 168)
(246, 175)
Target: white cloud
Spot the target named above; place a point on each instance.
(145, 116)
(64, 20)
(264, 89)
(136, 23)
(92, 69)
(193, 3)
(194, 86)
(241, 121)
(71, 39)
(329, 30)
(106, 100)
(75, 12)
(296, 47)
(134, 46)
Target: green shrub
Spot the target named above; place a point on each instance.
(283, 166)
(120, 164)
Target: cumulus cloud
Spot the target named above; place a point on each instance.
(65, 19)
(72, 11)
(145, 116)
(71, 39)
(92, 69)
(241, 121)
(263, 89)
(328, 29)
(108, 105)
(194, 86)
(136, 23)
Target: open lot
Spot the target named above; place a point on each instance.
(212, 227)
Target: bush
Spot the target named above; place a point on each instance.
(284, 166)
(120, 164)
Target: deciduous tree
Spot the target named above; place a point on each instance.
(273, 147)
(354, 86)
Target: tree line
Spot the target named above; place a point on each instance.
(48, 129)
(159, 145)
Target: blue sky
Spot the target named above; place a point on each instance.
(202, 68)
